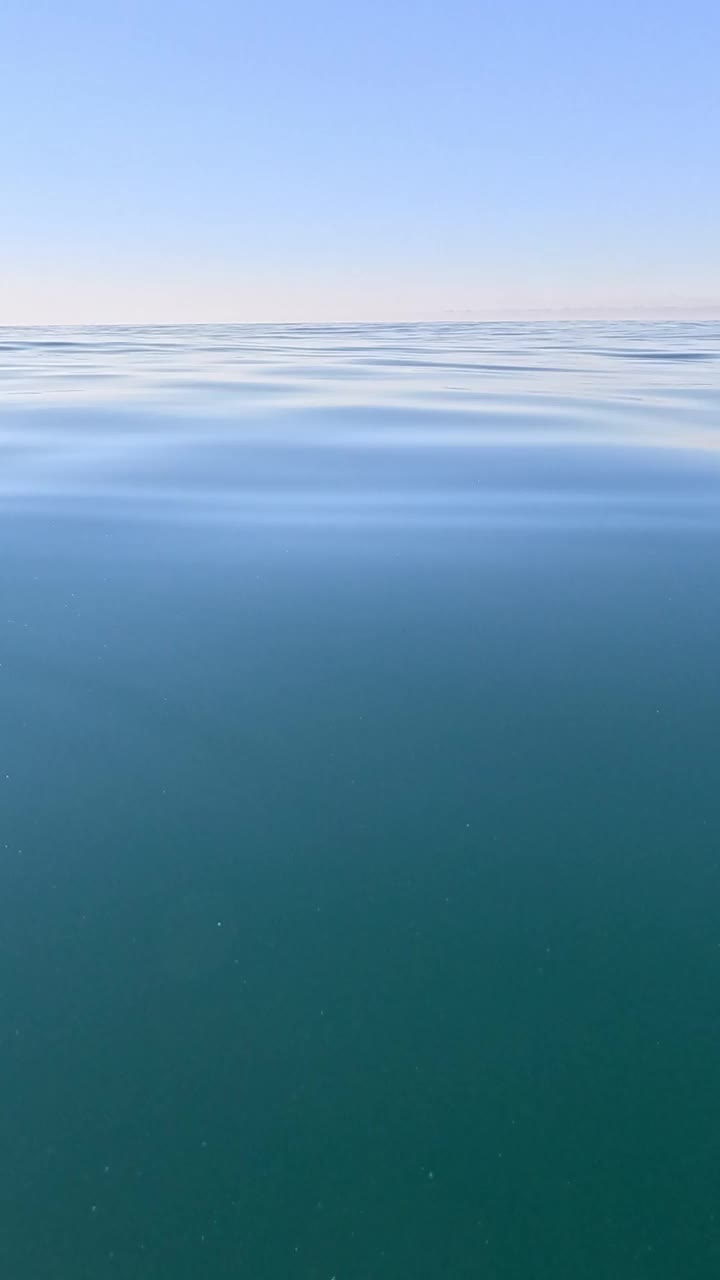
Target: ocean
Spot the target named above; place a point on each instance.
(360, 802)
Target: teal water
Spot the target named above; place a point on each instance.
(360, 853)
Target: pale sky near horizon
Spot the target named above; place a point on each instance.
(178, 162)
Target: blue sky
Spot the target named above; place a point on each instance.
(171, 161)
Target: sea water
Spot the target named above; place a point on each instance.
(360, 802)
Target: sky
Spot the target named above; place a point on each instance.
(163, 161)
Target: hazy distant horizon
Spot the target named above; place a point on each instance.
(580, 318)
(699, 313)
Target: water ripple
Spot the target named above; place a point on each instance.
(458, 424)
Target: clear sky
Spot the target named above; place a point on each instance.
(163, 160)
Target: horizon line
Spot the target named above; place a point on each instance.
(705, 314)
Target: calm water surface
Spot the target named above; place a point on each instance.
(360, 799)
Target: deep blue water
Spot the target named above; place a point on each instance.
(360, 849)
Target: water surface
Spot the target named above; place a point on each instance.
(360, 909)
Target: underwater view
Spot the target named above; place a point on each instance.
(360, 808)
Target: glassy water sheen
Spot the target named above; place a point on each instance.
(360, 856)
